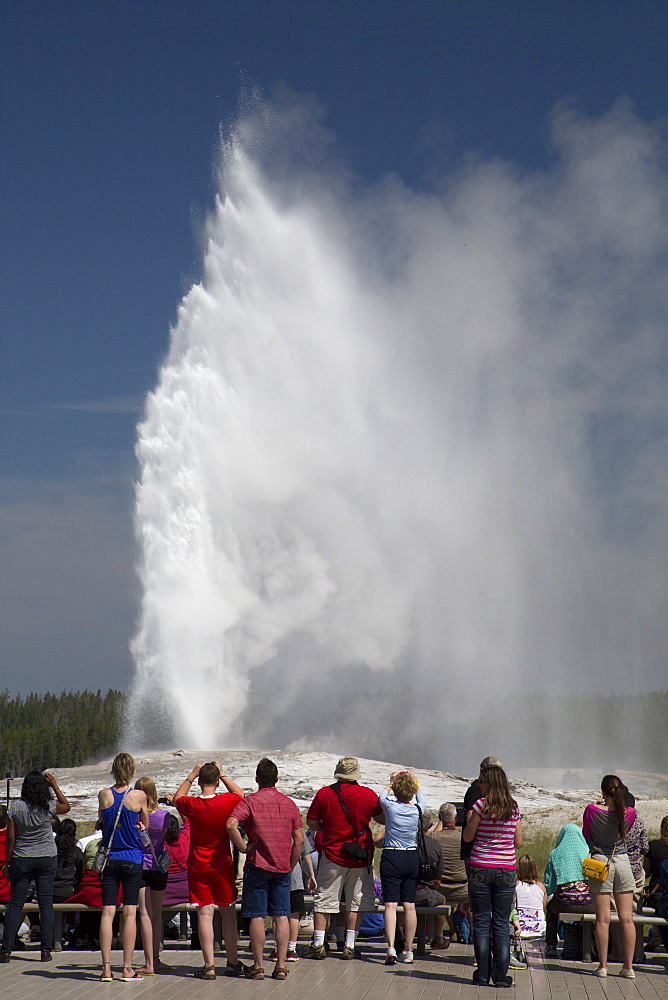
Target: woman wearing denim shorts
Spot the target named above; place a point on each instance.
(125, 865)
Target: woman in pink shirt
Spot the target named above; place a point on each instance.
(496, 829)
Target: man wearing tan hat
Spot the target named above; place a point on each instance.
(340, 813)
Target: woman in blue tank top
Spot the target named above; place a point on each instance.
(124, 867)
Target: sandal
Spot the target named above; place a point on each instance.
(251, 972)
(206, 972)
(109, 978)
(131, 979)
(279, 973)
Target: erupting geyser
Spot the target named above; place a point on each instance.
(416, 434)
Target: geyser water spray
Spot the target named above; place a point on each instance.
(379, 485)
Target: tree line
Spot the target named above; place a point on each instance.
(58, 730)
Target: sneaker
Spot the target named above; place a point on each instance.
(348, 953)
(391, 958)
(274, 956)
(601, 972)
(515, 963)
(292, 956)
(550, 951)
(406, 957)
(627, 973)
(311, 951)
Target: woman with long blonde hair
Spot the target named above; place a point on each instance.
(495, 828)
(152, 891)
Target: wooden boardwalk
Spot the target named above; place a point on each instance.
(74, 975)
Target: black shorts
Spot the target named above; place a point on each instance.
(297, 904)
(399, 875)
(155, 880)
(126, 873)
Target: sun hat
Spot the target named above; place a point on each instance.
(348, 769)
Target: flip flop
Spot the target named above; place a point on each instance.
(131, 979)
(279, 973)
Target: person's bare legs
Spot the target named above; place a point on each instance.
(146, 930)
(128, 937)
(410, 925)
(106, 932)
(150, 921)
(205, 928)
(390, 924)
(228, 920)
(257, 936)
(281, 934)
(155, 900)
(624, 904)
(602, 928)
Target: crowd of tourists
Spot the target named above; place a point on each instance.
(461, 863)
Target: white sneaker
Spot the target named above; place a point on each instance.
(627, 973)
(601, 972)
(406, 957)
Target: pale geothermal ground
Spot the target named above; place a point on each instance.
(302, 773)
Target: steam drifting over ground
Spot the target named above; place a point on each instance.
(407, 450)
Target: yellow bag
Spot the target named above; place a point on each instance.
(598, 870)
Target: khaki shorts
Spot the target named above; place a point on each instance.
(335, 883)
(455, 892)
(620, 877)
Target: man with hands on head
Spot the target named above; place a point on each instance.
(210, 868)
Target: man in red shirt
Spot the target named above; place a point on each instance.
(341, 814)
(275, 842)
(210, 868)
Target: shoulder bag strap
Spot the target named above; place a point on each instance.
(335, 788)
(118, 816)
(421, 842)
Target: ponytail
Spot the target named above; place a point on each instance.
(613, 787)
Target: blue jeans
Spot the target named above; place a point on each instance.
(265, 893)
(21, 873)
(491, 892)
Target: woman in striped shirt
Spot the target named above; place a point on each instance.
(496, 829)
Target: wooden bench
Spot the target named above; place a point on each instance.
(641, 920)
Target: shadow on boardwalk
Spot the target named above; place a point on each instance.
(75, 974)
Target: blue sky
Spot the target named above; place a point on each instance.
(109, 119)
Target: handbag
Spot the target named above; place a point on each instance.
(597, 870)
(162, 860)
(427, 870)
(352, 847)
(104, 850)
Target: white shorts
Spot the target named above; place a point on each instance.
(335, 883)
